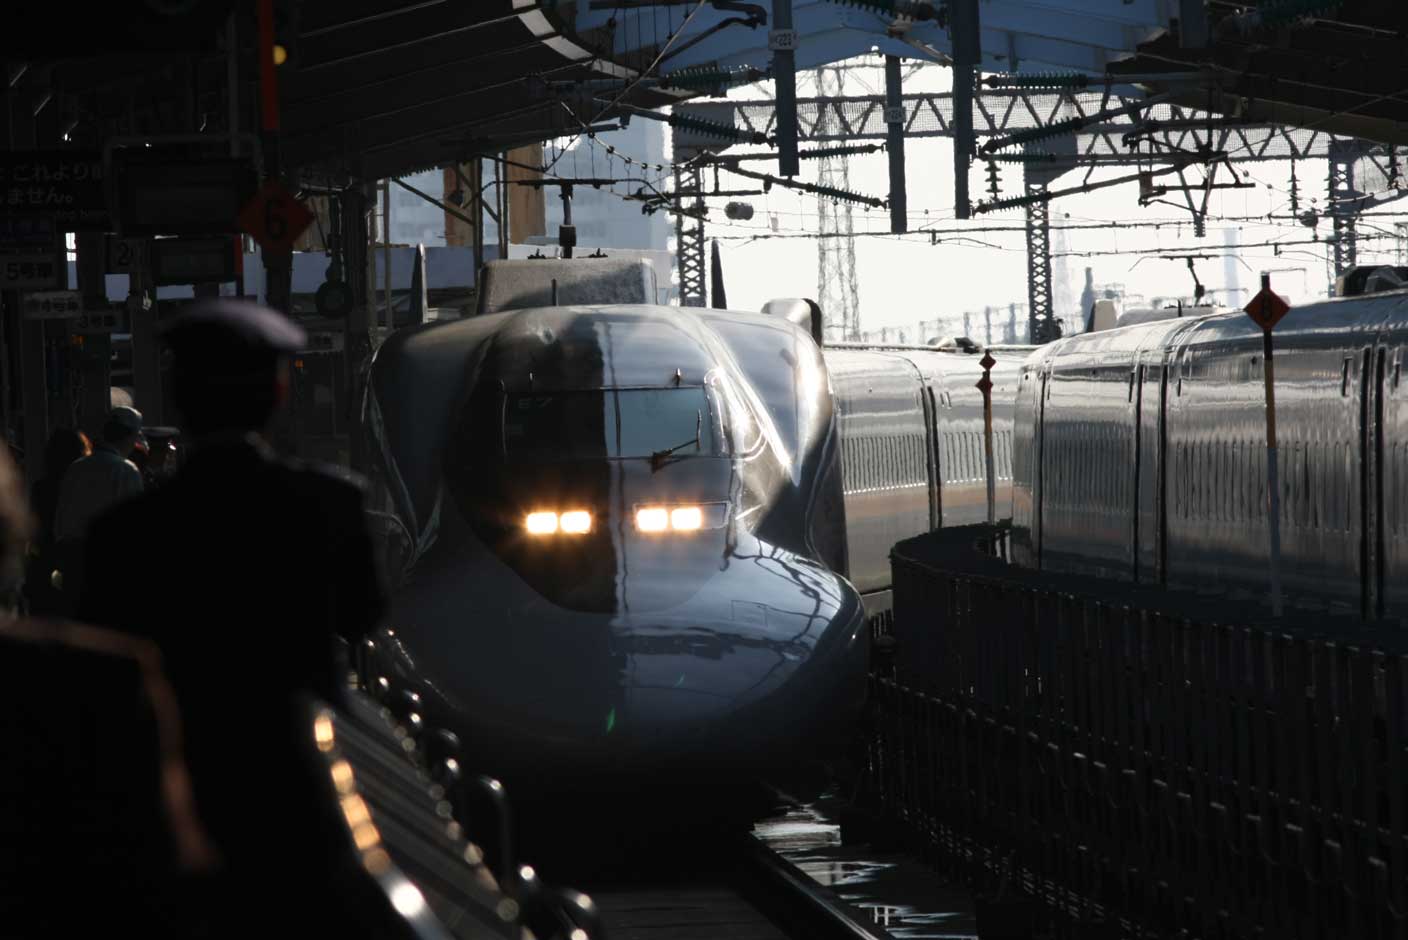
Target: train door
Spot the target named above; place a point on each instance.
(1038, 453)
(930, 400)
(1391, 484)
(1371, 413)
(1149, 383)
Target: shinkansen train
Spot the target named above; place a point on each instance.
(646, 538)
(1140, 453)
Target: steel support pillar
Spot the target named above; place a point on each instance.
(894, 122)
(1041, 323)
(1343, 202)
(782, 40)
(95, 366)
(689, 236)
(967, 57)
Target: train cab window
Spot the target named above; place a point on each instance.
(611, 423)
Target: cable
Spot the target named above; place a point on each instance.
(641, 74)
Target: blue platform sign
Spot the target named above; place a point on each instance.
(63, 185)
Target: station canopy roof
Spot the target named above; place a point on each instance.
(378, 88)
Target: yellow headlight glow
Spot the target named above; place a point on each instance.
(686, 518)
(541, 523)
(576, 522)
(652, 519)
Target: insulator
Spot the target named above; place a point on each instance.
(913, 9)
(1054, 81)
(994, 180)
(711, 79)
(1024, 157)
(705, 126)
(1054, 129)
(1281, 12)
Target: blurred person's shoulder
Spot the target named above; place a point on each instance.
(328, 483)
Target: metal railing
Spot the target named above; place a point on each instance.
(1164, 765)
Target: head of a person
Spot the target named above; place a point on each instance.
(230, 365)
(122, 429)
(64, 447)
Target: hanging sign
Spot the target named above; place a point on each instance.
(63, 185)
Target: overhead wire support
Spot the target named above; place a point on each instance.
(816, 153)
(689, 122)
(828, 191)
(1070, 125)
(1046, 195)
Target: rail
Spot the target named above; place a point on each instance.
(1160, 764)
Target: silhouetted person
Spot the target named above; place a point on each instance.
(104, 478)
(96, 821)
(243, 569)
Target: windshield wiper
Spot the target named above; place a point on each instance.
(658, 458)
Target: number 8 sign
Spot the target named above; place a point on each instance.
(274, 218)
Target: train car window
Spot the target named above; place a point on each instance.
(610, 423)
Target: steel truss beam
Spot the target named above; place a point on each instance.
(689, 236)
(1159, 128)
(1042, 325)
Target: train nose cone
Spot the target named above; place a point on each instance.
(765, 648)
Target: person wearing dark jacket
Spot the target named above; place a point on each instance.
(243, 569)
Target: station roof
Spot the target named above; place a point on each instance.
(379, 88)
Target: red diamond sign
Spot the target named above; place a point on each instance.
(1267, 309)
(275, 218)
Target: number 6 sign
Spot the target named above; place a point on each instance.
(274, 218)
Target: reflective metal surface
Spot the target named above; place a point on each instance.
(911, 426)
(1141, 452)
(617, 649)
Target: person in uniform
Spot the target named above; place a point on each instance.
(244, 569)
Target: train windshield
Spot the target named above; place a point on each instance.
(605, 423)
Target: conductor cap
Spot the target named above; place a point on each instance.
(224, 330)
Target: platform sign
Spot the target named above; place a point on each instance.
(63, 185)
(126, 255)
(29, 253)
(274, 218)
(53, 305)
(28, 271)
(1266, 308)
(108, 320)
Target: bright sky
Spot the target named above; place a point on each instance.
(904, 280)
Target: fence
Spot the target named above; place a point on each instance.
(1162, 764)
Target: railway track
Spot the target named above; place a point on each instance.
(743, 890)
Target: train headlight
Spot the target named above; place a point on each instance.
(576, 522)
(686, 518)
(652, 519)
(689, 518)
(572, 522)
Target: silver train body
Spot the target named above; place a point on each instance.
(1140, 453)
(736, 642)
